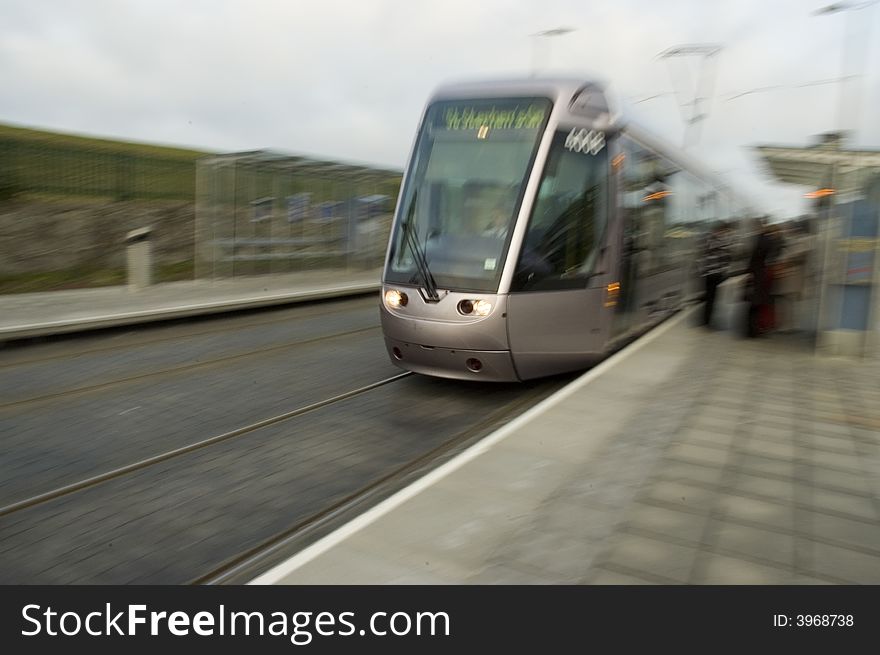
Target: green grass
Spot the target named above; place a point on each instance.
(38, 163)
(34, 162)
(110, 146)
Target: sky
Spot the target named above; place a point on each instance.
(347, 80)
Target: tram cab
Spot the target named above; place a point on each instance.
(507, 252)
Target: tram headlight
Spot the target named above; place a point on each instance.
(474, 307)
(482, 308)
(395, 298)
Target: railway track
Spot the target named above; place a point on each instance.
(249, 563)
(109, 518)
(16, 353)
(142, 464)
(174, 370)
(223, 471)
(203, 360)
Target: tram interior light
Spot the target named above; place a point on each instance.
(612, 291)
(819, 193)
(657, 195)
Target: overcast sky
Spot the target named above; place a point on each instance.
(347, 79)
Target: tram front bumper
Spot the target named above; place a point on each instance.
(485, 365)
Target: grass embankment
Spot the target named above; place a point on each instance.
(36, 162)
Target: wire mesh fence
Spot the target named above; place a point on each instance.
(261, 212)
(255, 212)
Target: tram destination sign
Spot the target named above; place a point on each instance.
(504, 115)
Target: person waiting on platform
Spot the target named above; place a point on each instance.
(759, 291)
(791, 277)
(716, 262)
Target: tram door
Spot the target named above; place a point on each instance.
(649, 268)
(626, 309)
(555, 317)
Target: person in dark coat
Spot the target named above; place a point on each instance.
(716, 262)
(760, 283)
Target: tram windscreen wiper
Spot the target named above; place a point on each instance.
(411, 239)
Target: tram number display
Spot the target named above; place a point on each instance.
(585, 141)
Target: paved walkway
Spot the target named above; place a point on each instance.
(38, 314)
(695, 458)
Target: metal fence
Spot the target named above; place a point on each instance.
(263, 212)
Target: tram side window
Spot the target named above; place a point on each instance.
(685, 225)
(567, 222)
(644, 186)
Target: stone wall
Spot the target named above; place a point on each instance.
(54, 235)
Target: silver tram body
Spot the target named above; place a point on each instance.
(535, 231)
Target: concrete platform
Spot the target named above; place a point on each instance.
(29, 315)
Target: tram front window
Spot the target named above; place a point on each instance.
(463, 190)
(568, 218)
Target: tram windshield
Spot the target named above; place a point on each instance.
(463, 191)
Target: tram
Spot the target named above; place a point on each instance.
(537, 229)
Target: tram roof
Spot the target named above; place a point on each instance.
(551, 87)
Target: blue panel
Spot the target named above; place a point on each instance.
(864, 219)
(856, 300)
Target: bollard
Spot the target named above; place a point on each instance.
(139, 258)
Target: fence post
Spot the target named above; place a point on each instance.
(139, 256)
